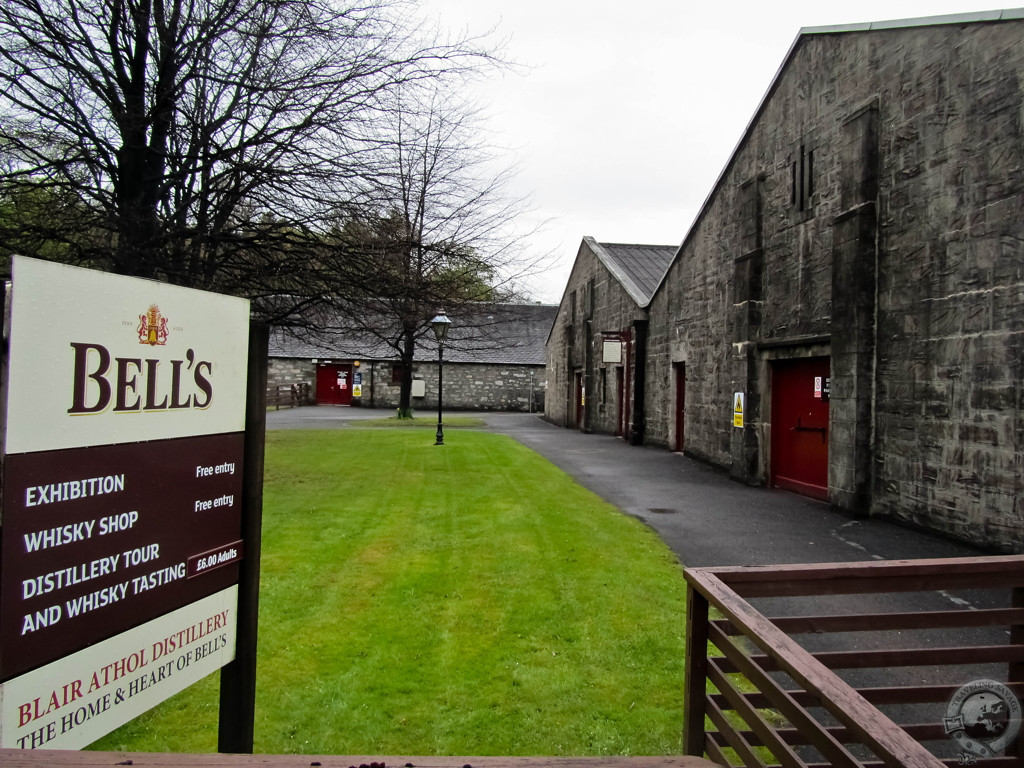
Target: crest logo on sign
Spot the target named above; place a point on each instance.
(153, 327)
(983, 717)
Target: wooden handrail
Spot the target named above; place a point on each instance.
(863, 622)
(874, 576)
(755, 650)
(843, 702)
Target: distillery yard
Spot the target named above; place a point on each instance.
(460, 599)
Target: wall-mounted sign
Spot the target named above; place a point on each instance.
(737, 409)
(612, 351)
(822, 387)
(123, 469)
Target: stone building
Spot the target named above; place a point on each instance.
(845, 316)
(596, 351)
(494, 361)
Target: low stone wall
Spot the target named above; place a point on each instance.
(282, 372)
(467, 386)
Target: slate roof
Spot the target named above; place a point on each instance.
(639, 268)
(503, 334)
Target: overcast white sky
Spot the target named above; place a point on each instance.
(630, 108)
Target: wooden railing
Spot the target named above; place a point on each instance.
(289, 395)
(878, 677)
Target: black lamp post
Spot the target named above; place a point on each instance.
(440, 324)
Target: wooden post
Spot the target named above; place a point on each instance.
(695, 680)
(238, 679)
(5, 328)
(1015, 669)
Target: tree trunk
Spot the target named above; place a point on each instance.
(408, 349)
(140, 163)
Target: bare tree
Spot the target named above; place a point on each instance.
(203, 142)
(435, 229)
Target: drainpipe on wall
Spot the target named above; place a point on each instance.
(588, 375)
(639, 425)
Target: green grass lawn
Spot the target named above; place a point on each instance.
(469, 599)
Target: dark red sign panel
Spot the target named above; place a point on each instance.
(98, 540)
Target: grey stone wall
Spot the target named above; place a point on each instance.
(872, 214)
(569, 345)
(559, 370)
(595, 308)
(282, 371)
(467, 386)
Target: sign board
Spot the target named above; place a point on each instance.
(612, 352)
(73, 701)
(822, 387)
(122, 478)
(737, 409)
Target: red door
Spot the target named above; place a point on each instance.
(334, 384)
(799, 458)
(579, 399)
(620, 402)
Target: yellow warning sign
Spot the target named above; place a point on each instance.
(737, 409)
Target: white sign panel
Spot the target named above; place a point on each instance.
(99, 359)
(122, 486)
(73, 701)
(612, 352)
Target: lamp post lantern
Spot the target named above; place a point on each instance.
(440, 324)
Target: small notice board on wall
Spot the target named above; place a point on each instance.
(611, 351)
(738, 399)
(124, 418)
